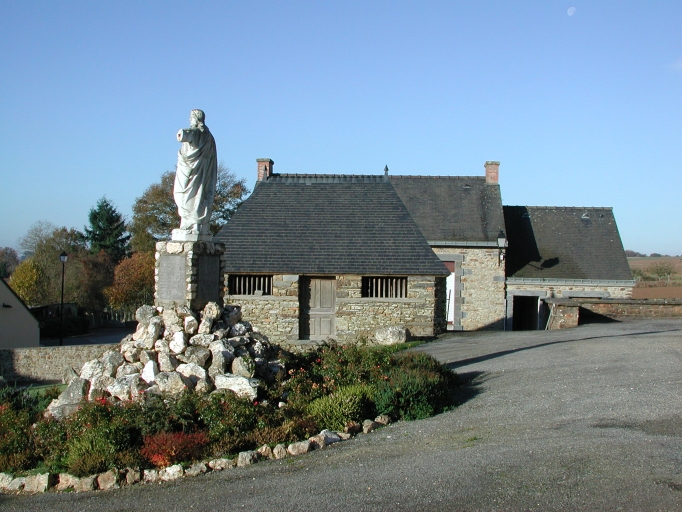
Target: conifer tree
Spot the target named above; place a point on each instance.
(107, 231)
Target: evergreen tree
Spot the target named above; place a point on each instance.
(107, 231)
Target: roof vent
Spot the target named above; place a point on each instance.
(466, 187)
(526, 215)
(585, 216)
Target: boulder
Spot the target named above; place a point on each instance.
(183, 312)
(111, 360)
(92, 369)
(384, 419)
(66, 481)
(69, 375)
(232, 315)
(167, 362)
(75, 392)
(212, 310)
(238, 341)
(144, 314)
(244, 366)
(201, 340)
(108, 480)
(98, 387)
(279, 451)
(241, 386)
(238, 329)
(17, 484)
(192, 371)
(353, 427)
(149, 372)
(265, 452)
(257, 349)
(204, 386)
(191, 325)
(126, 387)
(85, 484)
(196, 469)
(150, 476)
(133, 475)
(298, 448)
(172, 382)
(390, 335)
(324, 439)
(172, 321)
(196, 355)
(205, 326)
(369, 426)
(178, 344)
(162, 346)
(220, 464)
(126, 369)
(247, 458)
(131, 354)
(40, 482)
(148, 355)
(5, 479)
(171, 473)
(221, 357)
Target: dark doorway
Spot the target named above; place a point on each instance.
(525, 313)
(318, 308)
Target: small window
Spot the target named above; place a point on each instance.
(250, 285)
(384, 287)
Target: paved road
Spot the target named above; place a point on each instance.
(583, 419)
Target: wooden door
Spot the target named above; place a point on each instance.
(318, 307)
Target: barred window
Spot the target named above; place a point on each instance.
(384, 287)
(250, 285)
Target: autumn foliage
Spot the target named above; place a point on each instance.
(165, 449)
(133, 282)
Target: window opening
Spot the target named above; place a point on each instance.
(384, 287)
(250, 285)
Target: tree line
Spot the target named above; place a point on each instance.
(111, 262)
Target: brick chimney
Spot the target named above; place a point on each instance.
(265, 166)
(492, 172)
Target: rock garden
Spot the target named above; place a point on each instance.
(193, 392)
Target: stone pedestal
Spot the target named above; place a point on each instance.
(189, 274)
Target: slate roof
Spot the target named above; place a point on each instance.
(326, 224)
(452, 208)
(564, 243)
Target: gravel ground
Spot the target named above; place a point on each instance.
(582, 419)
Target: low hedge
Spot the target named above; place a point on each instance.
(326, 388)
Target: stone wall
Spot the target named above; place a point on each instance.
(47, 363)
(278, 315)
(642, 308)
(479, 286)
(571, 290)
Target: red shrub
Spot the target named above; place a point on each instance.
(165, 449)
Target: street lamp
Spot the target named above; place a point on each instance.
(502, 244)
(62, 257)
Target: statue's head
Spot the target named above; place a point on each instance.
(196, 118)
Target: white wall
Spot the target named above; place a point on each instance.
(18, 327)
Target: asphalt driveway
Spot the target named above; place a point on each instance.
(582, 419)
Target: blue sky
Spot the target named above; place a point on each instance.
(581, 110)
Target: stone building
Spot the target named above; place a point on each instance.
(311, 257)
(317, 256)
(561, 253)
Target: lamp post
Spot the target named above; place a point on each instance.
(502, 244)
(62, 257)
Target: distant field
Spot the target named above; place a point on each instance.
(657, 289)
(644, 263)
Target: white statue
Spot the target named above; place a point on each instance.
(195, 179)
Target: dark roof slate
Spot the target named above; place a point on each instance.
(326, 224)
(564, 243)
(452, 208)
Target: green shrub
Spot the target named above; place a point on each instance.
(348, 403)
(50, 444)
(226, 415)
(16, 439)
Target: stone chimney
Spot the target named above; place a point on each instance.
(492, 173)
(265, 166)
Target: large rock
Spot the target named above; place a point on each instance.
(299, 448)
(196, 355)
(98, 387)
(191, 325)
(241, 386)
(75, 392)
(325, 438)
(172, 321)
(201, 340)
(5, 479)
(125, 388)
(279, 451)
(171, 473)
(391, 335)
(247, 458)
(149, 372)
(144, 314)
(178, 344)
(127, 369)
(92, 369)
(108, 480)
(162, 345)
(205, 326)
(220, 464)
(196, 469)
(222, 356)
(167, 362)
(212, 310)
(244, 366)
(192, 371)
(39, 483)
(232, 315)
(173, 382)
(111, 360)
(238, 329)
